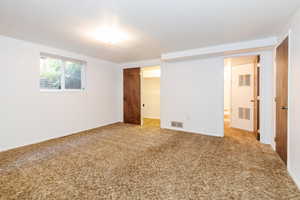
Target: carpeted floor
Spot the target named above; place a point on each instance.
(128, 162)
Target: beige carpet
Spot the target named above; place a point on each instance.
(128, 162)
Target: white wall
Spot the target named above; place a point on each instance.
(294, 97)
(227, 87)
(192, 92)
(266, 97)
(151, 98)
(29, 116)
(155, 73)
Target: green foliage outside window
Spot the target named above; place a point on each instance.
(53, 70)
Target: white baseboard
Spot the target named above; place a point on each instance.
(295, 179)
(193, 131)
(56, 137)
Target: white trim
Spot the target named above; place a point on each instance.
(273, 144)
(63, 75)
(83, 77)
(289, 35)
(64, 58)
(280, 40)
(57, 137)
(142, 96)
(61, 90)
(255, 53)
(295, 179)
(51, 90)
(220, 49)
(142, 63)
(193, 131)
(222, 102)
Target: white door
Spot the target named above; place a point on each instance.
(242, 93)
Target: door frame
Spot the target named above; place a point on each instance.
(142, 96)
(142, 82)
(288, 34)
(142, 65)
(255, 53)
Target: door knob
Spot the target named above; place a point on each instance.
(252, 101)
(284, 107)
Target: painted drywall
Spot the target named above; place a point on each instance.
(192, 92)
(188, 107)
(151, 98)
(227, 88)
(266, 97)
(29, 115)
(294, 96)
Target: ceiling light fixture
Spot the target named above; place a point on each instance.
(110, 35)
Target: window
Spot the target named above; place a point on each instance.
(59, 73)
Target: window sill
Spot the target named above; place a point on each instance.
(64, 90)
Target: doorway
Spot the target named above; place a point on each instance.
(150, 96)
(241, 94)
(141, 96)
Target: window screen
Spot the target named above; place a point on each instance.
(51, 71)
(60, 73)
(73, 74)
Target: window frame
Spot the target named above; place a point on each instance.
(63, 67)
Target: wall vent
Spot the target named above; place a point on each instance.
(174, 124)
(245, 80)
(177, 124)
(244, 113)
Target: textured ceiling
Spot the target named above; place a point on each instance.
(154, 27)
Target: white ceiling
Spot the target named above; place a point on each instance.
(154, 26)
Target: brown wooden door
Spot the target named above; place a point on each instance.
(282, 99)
(132, 95)
(256, 100)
